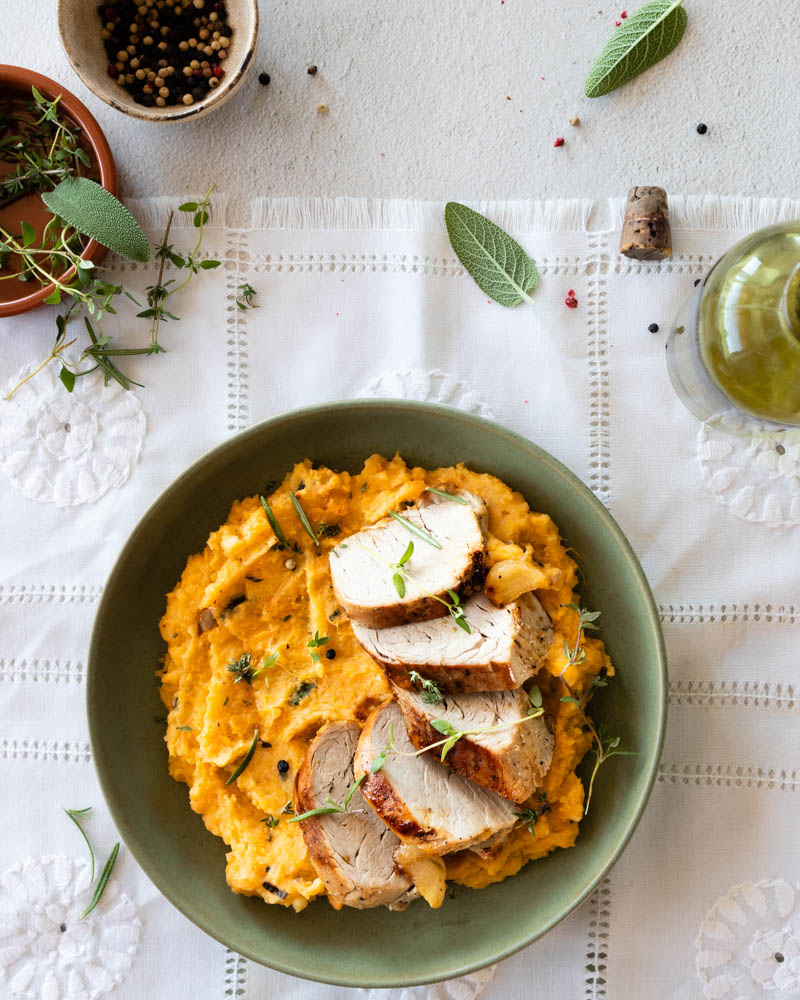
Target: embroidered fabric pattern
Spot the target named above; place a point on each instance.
(48, 952)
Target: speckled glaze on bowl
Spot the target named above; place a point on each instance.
(364, 947)
(79, 27)
(16, 82)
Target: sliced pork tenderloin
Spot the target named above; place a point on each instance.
(425, 803)
(351, 851)
(511, 762)
(504, 647)
(362, 580)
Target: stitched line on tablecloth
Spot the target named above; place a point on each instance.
(42, 671)
(237, 263)
(597, 942)
(731, 614)
(68, 752)
(729, 776)
(21, 593)
(599, 381)
(719, 694)
(235, 975)
(310, 262)
(679, 263)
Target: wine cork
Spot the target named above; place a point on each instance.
(646, 233)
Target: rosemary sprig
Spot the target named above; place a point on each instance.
(273, 522)
(73, 815)
(604, 747)
(447, 496)
(431, 692)
(245, 760)
(105, 875)
(303, 518)
(102, 882)
(426, 536)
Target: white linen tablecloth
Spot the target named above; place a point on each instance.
(368, 298)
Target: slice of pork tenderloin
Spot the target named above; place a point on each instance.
(511, 762)
(504, 647)
(351, 851)
(362, 580)
(422, 801)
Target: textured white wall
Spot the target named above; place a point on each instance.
(417, 94)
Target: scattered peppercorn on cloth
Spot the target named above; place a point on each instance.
(367, 298)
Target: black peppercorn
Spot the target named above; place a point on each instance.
(330, 654)
(696, 282)
(283, 767)
(702, 129)
(312, 71)
(653, 328)
(263, 79)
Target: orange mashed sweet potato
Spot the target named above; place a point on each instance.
(266, 599)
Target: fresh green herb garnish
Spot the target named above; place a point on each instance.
(245, 761)
(530, 817)
(646, 37)
(303, 519)
(447, 496)
(266, 663)
(270, 820)
(241, 668)
(328, 530)
(496, 262)
(246, 298)
(431, 692)
(288, 809)
(300, 692)
(400, 575)
(380, 760)
(426, 536)
(186, 729)
(604, 746)
(273, 521)
(73, 815)
(102, 882)
(453, 735)
(364, 487)
(333, 806)
(318, 640)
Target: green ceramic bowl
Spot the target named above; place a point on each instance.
(370, 947)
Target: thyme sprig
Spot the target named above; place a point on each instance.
(400, 576)
(245, 300)
(453, 735)
(603, 746)
(43, 149)
(332, 805)
(91, 297)
(530, 817)
(431, 692)
(244, 670)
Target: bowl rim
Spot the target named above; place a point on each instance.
(177, 113)
(128, 832)
(77, 110)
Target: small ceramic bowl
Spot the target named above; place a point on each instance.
(15, 85)
(79, 26)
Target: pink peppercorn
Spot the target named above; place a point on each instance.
(570, 301)
(218, 71)
(624, 14)
(559, 142)
(618, 23)
(112, 71)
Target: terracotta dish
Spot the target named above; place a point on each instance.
(15, 86)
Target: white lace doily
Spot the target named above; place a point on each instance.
(46, 951)
(748, 946)
(434, 386)
(69, 448)
(756, 473)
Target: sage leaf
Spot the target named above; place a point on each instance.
(95, 212)
(646, 37)
(496, 262)
(28, 234)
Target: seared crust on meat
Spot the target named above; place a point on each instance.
(352, 852)
(511, 763)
